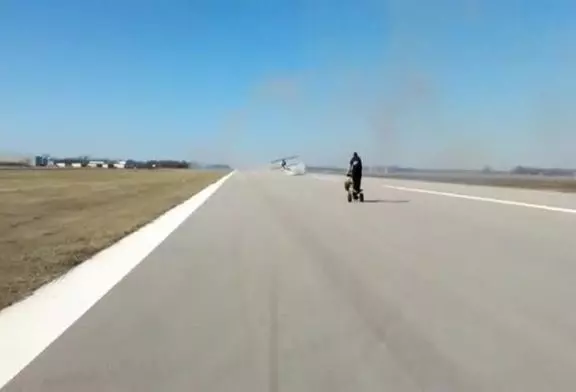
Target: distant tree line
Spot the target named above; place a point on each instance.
(519, 170)
(14, 164)
(217, 167)
(157, 164)
(543, 171)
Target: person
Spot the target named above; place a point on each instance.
(283, 164)
(355, 172)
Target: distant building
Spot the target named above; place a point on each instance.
(70, 162)
(41, 160)
(85, 161)
(97, 163)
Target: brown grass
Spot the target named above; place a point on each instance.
(52, 220)
(567, 185)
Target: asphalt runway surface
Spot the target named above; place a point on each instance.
(278, 284)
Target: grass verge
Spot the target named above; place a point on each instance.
(567, 185)
(548, 183)
(52, 220)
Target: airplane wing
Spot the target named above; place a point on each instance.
(285, 158)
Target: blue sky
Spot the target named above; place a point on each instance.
(415, 82)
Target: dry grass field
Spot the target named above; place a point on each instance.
(52, 220)
(557, 184)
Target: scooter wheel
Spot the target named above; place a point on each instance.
(349, 197)
(361, 198)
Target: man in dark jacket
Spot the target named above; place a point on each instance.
(355, 172)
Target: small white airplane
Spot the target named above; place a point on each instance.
(295, 168)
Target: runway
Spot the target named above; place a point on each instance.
(278, 284)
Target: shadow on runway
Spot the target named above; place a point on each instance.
(385, 201)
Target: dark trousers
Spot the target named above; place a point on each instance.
(356, 182)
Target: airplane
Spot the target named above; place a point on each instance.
(297, 168)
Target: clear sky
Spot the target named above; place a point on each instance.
(413, 82)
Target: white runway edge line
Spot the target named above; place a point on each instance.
(487, 199)
(27, 328)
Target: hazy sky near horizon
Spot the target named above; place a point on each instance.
(440, 83)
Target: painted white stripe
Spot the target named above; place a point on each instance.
(486, 199)
(334, 178)
(30, 326)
